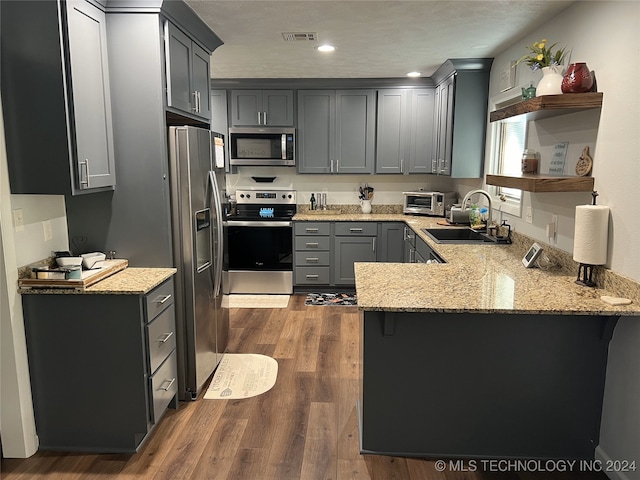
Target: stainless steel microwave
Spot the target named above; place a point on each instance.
(428, 203)
(262, 146)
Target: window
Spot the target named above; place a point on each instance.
(509, 140)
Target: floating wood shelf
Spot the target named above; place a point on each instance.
(543, 183)
(548, 106)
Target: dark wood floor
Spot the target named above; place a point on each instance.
(305, 427)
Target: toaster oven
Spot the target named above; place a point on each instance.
(428, 203)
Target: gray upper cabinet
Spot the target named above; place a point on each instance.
(272, 108)
(405, 131)
(336, 131)
(461, 118)
(54, 62)
(187, 74)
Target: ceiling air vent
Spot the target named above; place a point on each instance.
(298, 36)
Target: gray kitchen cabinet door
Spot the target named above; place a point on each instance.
(355, 131)
(200, 75)
(55, 63)
(393, 132)
(444, 126)
(316, 127)
(179, 66)
(188, 74)
(421, 131)
(272, 108)
(219, 121)
(391, 242)
(91, 95)
(347, 251)
(277, 106)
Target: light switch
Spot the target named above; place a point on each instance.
(18, 219)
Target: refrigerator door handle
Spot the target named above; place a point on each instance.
(216, 206)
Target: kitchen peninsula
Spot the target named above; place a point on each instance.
(481, 357)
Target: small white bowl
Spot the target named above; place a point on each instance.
(69, 261)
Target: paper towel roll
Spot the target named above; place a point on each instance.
(591, 234)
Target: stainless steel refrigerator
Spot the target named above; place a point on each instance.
(197, 199)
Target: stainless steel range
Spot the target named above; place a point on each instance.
(260, 242)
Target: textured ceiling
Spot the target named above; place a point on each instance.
(374, 39)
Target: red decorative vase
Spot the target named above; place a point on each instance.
(577, 79)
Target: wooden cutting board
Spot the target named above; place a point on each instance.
(89, 277)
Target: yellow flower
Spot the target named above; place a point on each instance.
(541, 45)
(544, 40)
(535, 44)
(540, 57)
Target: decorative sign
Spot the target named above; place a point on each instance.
(558, 158)
(507, 79)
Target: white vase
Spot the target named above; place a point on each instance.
(366, 206)
(551, 82)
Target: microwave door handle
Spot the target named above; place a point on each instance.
(284, 145)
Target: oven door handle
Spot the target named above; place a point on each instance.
(256, 223)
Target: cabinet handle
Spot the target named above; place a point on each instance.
(259, 118)
(402, 165)
(265, 118)
(312, 245)
(337, 165)
(166, 337)
(84, 182)
(311, 230)
(164, 299)
(355, 230)
(331, 170)
(311, 277)
(434, 165)
(171, 382)
(199, 103)
(195, 101)
(374, 244)
(312, 260)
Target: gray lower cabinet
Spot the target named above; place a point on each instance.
(188, 74)
(405, 131)
(409, 253)
(336, 131)
(353, 242)
(271, 108)
(391, 242)
(56, 93)
(103, 367)
(312, 253)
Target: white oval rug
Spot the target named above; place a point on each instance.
(242, 375)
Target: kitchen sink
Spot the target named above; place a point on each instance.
(457, 235)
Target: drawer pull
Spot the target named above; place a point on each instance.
(312, 277)
(313, 259)
(163, 300)
(312, 244)
(171, 382)
(165, 337)
(311, 230)
(355, 230)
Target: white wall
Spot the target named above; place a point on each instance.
(605, 35)
(341, 189)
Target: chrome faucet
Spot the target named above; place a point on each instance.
(486, 194)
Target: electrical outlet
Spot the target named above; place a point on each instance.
(529, 216)
(48, 230)
(554, 220)
(18, 219)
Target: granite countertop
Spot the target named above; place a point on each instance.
(130, 281)
(476, 278)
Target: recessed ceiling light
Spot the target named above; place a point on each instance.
(413, 74)
(325, 48)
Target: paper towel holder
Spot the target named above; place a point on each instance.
(585, 269)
